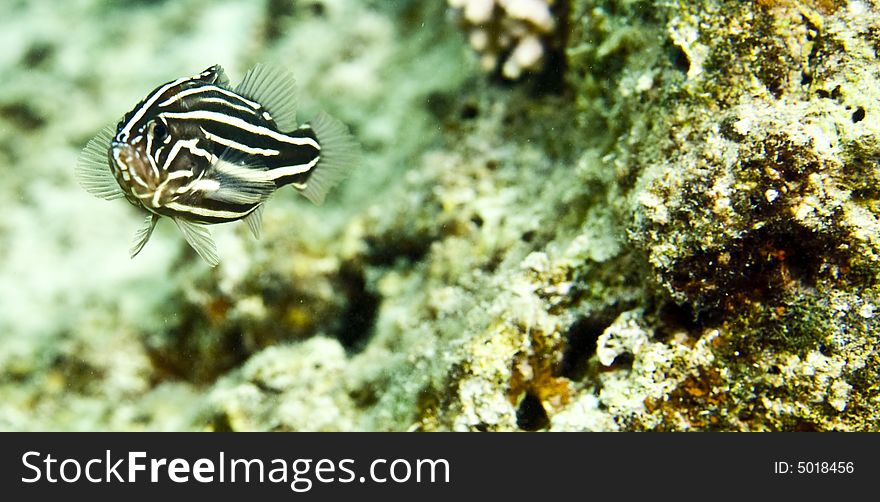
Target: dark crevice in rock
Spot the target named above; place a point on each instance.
(357, 322)
(195, 353)
(858, 115)
(678, 57)
(673, 318)
(581, 339)
(220, 423)
(410, 249)
(531, 415)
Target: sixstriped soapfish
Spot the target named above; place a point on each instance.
(200, 152)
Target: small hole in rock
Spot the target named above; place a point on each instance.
(806, 78)
(221, 423)
(582, 336)
(359, 317)
(531, 415)
(675, 318)
(622, 362)
(805, 426)
(469, 111)
(858, 115)
(680, 59)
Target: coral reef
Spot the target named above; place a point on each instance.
(683, 237)
(753, 205)
(511, 36)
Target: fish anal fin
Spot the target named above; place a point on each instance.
(199, 238)
(275, 89)
(254, 221)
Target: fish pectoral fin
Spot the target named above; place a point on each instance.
(275, 89)
(240, 180)
(254, 221)
(143, 234)
(199, 239)
(93, 169)
(340, 153)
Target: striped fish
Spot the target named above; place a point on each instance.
(200, 152)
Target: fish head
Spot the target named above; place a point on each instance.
(160, 162)
(155, 157)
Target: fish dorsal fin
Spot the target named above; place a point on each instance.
(275, 89)
(214, 75)
(339, 155)
(241, 179)
(255, 221)
(93, 167)
(199, 239)
(143, 234)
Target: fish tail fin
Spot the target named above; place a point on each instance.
(339, 155)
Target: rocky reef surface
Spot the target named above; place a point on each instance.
(667, 221)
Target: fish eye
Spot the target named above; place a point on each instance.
(159, 130)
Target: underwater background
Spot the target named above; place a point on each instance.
(570, 215)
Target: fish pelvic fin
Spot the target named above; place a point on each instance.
(143, 234)
(199, 238)
(340, 153)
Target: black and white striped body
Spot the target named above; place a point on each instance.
(199, 152)
(178, 135)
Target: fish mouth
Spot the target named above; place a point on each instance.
(133, 168)
(123, 155)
